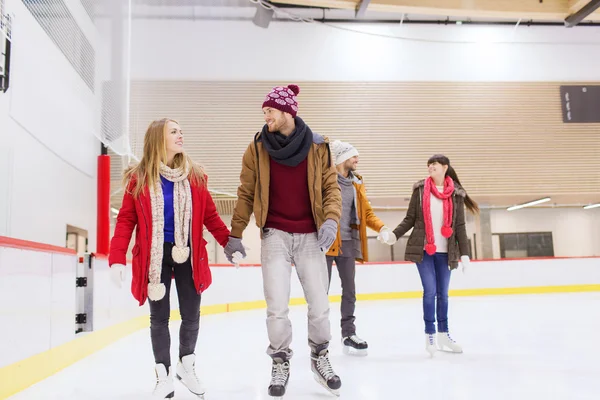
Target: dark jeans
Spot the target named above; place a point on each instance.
(189, 308)
(435, 277)
(346, 267)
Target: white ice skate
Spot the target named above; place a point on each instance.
(430, 344)
(186, 373)
(444, 340)
(354, 346)
(164, 388)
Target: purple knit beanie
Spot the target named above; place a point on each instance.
(283, 99)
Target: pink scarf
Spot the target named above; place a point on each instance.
(446, 197)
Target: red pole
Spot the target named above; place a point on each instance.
(103, 222)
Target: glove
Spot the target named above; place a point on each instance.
(327, 235)
(118, 275)
(236, 258)
(234, 245)
(465, 262)
(386, 236)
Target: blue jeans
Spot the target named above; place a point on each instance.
(435, 277)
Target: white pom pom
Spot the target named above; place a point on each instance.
(180, 254)
(156, 291)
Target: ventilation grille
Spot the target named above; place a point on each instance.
(89, 7)
(60, 26)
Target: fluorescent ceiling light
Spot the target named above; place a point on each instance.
(531, 203)
(591, 206)
(114, 210)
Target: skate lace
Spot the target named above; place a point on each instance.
(160, 381)
(449, 337)
(324, 367)
(431, 339)
(356, 339)
(279, 373)
(194, 376)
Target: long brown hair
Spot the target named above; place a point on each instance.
(147, 172)
(442, 159)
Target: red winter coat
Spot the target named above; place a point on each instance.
(137, 213)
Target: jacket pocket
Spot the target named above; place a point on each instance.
(203, 252)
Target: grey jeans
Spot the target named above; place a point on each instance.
(279, 250)
(346, 266)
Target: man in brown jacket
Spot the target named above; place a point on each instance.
(350, 244)
(290, 184)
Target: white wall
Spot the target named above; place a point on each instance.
(574, 230)
(238, 50)
(111, 304)
(47, 133)
(5, 165)
(37, 302)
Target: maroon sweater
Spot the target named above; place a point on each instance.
(289, 200)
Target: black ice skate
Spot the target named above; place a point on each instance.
(280, 374)
(323, 371)
(354, 346)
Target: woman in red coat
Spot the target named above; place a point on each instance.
(167, 201)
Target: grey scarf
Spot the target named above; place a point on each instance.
(288, 150)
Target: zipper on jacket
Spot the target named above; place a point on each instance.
(315, 191)
(192, 236)
(258, 177)
(147, 233)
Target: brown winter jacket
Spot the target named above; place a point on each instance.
(253, 192)
(458, 244)
(367, 219)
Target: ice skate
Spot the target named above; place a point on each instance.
(280, 374)
(164, 388)
(430, 344)
(444, 340)
(186, 374)
(354, 346)
(323, 372)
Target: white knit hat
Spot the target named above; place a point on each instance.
(342, 151)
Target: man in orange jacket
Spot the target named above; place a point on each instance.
(350, 244)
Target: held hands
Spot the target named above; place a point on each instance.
(118, 275)
(236, 258)
(386, 236)
(327, 235)
(235, 251)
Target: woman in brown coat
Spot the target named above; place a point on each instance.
(437, 243)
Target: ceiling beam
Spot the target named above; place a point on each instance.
(575, 18)
(548, 10)
(362, 8)
(342, 4)
(576, 5)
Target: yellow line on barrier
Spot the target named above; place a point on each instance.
(22, 374)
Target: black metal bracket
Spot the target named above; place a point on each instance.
(80, 318)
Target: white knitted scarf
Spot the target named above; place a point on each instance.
(182, 207)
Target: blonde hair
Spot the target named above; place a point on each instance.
(147, 172)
